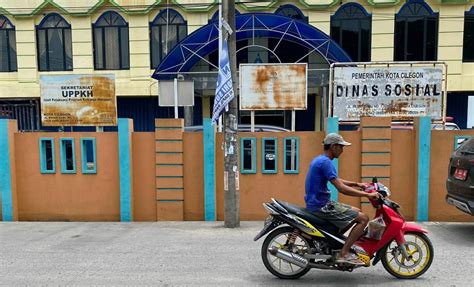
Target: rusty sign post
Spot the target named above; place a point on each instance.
(274, 87)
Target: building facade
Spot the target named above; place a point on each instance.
(132, 39)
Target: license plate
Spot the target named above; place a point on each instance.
(460, 174)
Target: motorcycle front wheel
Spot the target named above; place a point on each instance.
(280, 268)
(420, 251)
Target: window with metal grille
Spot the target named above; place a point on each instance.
(248, 155)
(54, 44)
(351, 27)
(291, 154)
(88, 152)
(47, 162)
(111, 46)
(468, 43)
(7, 46)
(68, 158)
(416, 32)
(167, 29)
(269, 155)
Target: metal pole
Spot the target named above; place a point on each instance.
(231, 169)
(175, 98)
(252, 121)
(293, 120)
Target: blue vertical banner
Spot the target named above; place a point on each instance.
(224, 89)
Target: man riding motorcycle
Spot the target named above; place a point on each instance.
(318, 195)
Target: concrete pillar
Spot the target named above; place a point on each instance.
(209, 140)
(376, 154)
(8, 191)
(169, 169)
(422, 126)
(125, 130)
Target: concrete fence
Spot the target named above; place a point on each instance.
(175, 175)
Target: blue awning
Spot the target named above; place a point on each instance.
(205, 40)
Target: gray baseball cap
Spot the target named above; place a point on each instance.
(334, 138)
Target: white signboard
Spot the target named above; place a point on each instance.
(399, 92)
(273, 86)
(185, 93)
(78, 100)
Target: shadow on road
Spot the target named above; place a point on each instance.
(325, 278)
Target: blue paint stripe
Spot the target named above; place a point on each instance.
(125, 169)
(209, 171)
(424, 145)
(6, 198)
(333, 127)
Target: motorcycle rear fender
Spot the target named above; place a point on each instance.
(267, 228)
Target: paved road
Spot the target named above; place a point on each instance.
(192, 253)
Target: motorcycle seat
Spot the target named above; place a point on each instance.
(310, 217)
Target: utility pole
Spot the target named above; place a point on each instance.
(231, 149)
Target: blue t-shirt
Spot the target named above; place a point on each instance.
(321, 170)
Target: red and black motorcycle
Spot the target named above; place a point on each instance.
(305, 241)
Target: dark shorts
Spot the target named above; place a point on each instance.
(337, 213)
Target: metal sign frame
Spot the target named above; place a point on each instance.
(387, 65)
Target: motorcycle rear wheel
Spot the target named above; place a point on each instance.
(419, 247)
(279, 267)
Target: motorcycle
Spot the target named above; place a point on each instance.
(304, 241)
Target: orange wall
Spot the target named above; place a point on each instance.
(78, 197)
(67, 197)
(193, 176)
(403, 172)
(258, 188)
(144, 202)
(442, 146)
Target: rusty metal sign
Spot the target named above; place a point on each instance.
(273, 86)
(402, 92)
(78, 100)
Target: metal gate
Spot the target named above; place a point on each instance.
(26, 112)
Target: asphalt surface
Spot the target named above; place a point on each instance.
(192, 254)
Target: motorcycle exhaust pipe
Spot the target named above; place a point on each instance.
(289, 256)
